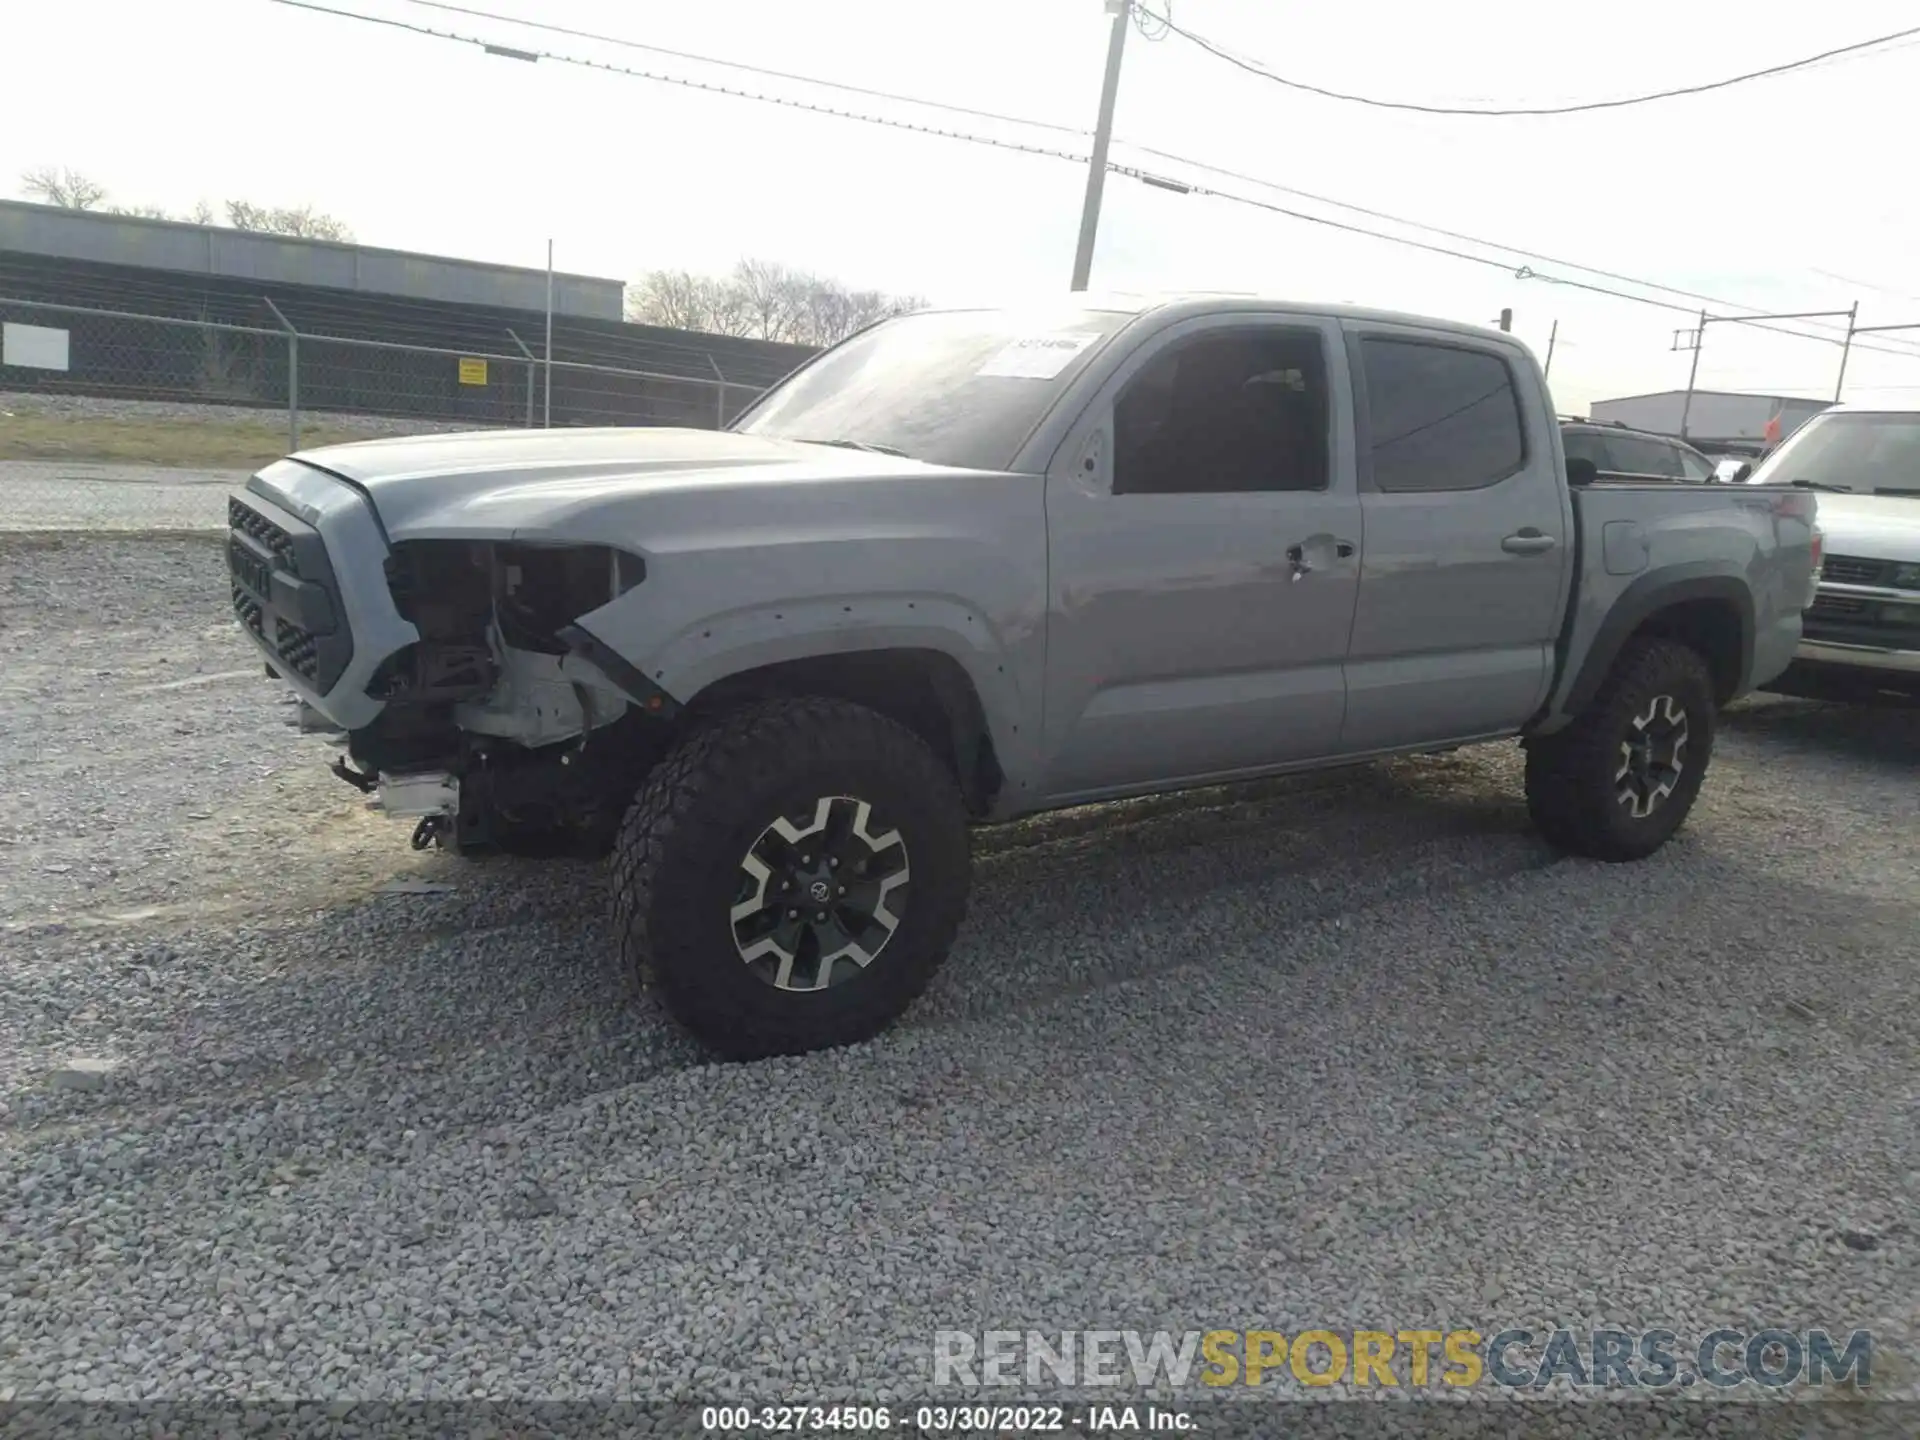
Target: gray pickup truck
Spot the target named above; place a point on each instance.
(969, 565)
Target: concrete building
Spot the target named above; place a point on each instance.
(1716, 419)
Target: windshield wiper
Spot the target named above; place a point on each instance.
(868, 446)
(1818, 485)
(1893, 490)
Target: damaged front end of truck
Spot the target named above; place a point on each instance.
(461, 688)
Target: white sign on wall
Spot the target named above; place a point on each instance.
(36, 347)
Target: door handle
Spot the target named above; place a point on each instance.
(1297, 556)
(1528, 542)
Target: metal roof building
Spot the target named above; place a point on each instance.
(212, 275)
(1715, 418)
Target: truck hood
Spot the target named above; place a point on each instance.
(1873, 527)
(570, 483)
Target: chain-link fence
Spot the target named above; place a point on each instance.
(118, 420)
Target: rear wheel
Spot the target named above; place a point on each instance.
(1618, 782)
(791, 876)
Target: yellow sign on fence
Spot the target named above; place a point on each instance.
(472, 372)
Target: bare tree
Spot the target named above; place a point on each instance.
(762, 299)
(305, 223)
(201, 214)
(57, 185)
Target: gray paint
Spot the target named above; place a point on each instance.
(358, 551)
(1119, 644)
(216, 250)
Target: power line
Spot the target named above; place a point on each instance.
(1255, 68)
(1165, 20)
(626, 44)
(1492, 244)
(1143, 176)
(1522, 273)
(704, 85)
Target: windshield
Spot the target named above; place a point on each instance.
(962, 388)
(1867, 454)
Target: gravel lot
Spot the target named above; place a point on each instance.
(1352, 1050)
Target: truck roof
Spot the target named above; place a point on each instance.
(1183, 303)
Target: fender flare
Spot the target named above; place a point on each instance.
(1647, 597)
(717, 649)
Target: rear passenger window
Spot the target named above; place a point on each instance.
(1442, 418)
(1636, 455)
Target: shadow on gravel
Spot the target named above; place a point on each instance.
(503, 998)
(1886, 733)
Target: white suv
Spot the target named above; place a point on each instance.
(1861, 635)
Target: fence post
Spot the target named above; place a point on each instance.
(530, 364)
(293, 376)
(719, 395)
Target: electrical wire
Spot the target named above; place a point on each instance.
(626, 44)
(1497, 245)
(704, 85)
(1253, 67)
(1524, 272)
(1143, 176)
(1165, 16)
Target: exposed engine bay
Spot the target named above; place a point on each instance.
(498, 727)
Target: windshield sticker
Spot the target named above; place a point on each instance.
(1037, 357)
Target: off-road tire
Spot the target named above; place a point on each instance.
(677, 861)
(1572, 791)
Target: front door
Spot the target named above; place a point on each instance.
(1204, 537)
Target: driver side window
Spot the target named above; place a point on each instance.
(1226, 411)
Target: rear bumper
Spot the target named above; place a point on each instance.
(306, 560)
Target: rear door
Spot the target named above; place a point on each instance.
(1467, 526)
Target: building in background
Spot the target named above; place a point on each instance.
(1716, 419)
(122, 305)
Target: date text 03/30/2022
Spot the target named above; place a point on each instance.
(941, 1419)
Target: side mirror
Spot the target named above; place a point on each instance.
(1582, 471)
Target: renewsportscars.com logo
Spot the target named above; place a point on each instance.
(1517, 1359)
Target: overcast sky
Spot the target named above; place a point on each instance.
(1780, 194)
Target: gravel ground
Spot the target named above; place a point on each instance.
(79, 496)
(1352, 1050)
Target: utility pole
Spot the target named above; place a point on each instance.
(1855, 329)
(546, 406)
(1853, 320)
(1552, 335)
(1700, 336)
(1122, 12)
(1693, 373)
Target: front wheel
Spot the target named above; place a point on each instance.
(1621, 779)
(791, 875)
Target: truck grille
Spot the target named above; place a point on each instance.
(1854, 570)
(251, 522)
(1836, 607)
(299, 648)
(285, 594)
